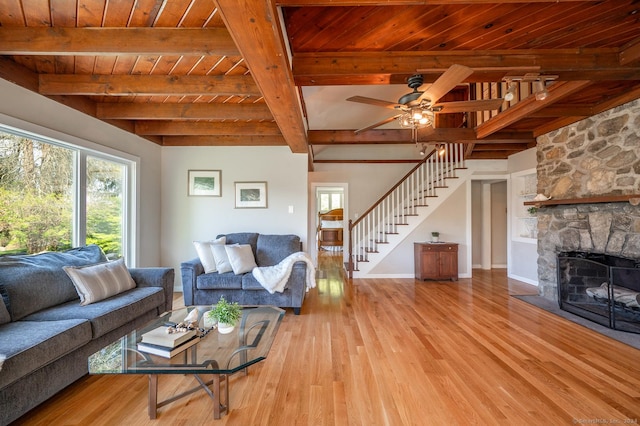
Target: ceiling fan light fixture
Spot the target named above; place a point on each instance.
(416, 118)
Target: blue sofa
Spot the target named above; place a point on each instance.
(46, 336)
(268, 250)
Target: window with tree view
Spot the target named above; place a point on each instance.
(42, 207)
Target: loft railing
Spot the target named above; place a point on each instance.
(404, 199)
(493, 90)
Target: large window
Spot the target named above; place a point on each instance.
(54, 196)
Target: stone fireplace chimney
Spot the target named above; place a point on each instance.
(589, 160)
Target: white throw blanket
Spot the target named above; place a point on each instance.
(274, 278)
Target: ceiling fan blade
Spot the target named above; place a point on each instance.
(379, 123)
(464, 106)
(455, 75)
(371, 101)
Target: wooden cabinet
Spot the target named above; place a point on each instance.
(436, 261)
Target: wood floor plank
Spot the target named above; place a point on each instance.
(396, 352)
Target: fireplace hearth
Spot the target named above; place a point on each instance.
(602, 288)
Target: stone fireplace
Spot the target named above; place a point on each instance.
(579, 166)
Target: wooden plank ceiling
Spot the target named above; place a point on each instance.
(233, 72)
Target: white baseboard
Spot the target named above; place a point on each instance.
(523, 279)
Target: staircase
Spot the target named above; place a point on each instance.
(405, 206)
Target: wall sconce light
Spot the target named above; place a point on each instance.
(442, 149)
(423, 150)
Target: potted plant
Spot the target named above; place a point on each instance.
(435, 237)
(226, 314)
(532, 210)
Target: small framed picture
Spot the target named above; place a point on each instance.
(204, 183)
(251, 195)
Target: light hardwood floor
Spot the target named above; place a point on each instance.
(397, 352)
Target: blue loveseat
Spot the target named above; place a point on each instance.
(200, 288)
(46, 336)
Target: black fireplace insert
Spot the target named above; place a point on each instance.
(602, 288)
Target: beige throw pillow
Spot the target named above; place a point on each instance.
(101, 281)
(222, 260)
(241, 258)
(205, 253)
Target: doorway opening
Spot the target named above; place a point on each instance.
(330, 219)
(489, 223)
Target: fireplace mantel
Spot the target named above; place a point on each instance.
(634, 199)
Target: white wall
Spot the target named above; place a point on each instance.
(185, 219)
(38, 114)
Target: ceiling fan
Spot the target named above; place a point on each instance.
(417, 109)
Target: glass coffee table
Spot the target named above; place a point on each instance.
(215, 354)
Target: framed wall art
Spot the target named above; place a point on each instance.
(251, 195)
(204, 183)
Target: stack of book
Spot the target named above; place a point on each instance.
(159, 342)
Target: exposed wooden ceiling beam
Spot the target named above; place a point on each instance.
(321, 68)
(490, 155)
(18, 74)
(564, 111)
(291, 3)
(66, 41)
(528, 106)
(255, 28)
(354, 161)
(552, 125)
(190, 111)
(605, 105)
(126, 85)
(630, 53)
(205, 128)
(224, 140)
(22, 76)
(501, 147)
(612, 102)
(397, 136)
